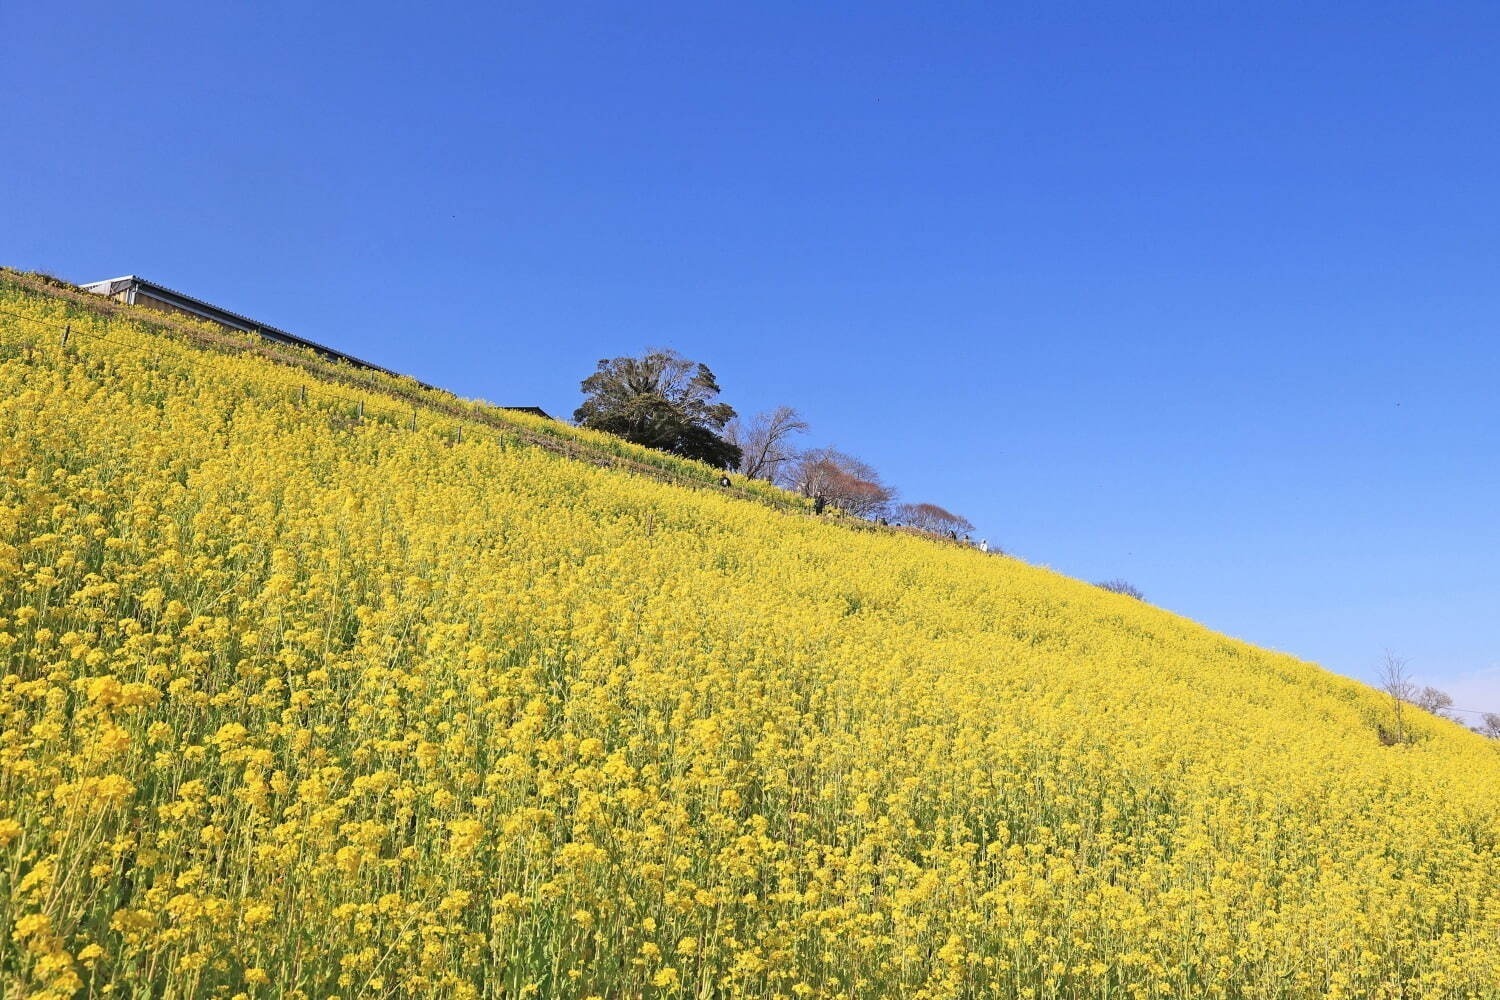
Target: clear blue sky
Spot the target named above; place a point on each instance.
(1206, 300)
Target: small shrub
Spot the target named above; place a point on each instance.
(1121, 587)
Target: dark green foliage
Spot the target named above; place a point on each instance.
(662, 401)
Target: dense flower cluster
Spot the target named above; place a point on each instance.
(298, 705)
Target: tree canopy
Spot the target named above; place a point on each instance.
(765, 441)
(1118, 586)
(661, 400)
(931, 517)
(851, 485)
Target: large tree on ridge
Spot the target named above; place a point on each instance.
(661, 400)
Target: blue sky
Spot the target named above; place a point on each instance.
(1204, 299)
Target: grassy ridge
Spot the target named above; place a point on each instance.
(360, 392)
(299, 705)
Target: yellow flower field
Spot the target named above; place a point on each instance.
(296, 704)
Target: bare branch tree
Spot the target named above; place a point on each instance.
(1430, 699)
(846, 482)
(1489, 725)
(1396, 682)
(931, 517)
(1118, 586)
(764, 442)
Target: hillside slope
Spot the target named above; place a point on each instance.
(299, 704)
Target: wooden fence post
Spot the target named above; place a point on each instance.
(66, 331)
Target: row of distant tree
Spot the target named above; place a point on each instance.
(665, 401)
(1396, 681)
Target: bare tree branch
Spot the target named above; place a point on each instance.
(1430, 699)
(1396, 682)
(931, 517)
(1118, 586)
(764, 442)
(846, 482)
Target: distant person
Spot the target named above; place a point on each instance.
(984, 545)
(724, 481)
(953, 535)
(818, 503)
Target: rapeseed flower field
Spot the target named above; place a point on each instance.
(300, 705)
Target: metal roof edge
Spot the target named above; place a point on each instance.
(254, 326)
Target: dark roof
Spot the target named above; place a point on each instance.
(233, 320)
